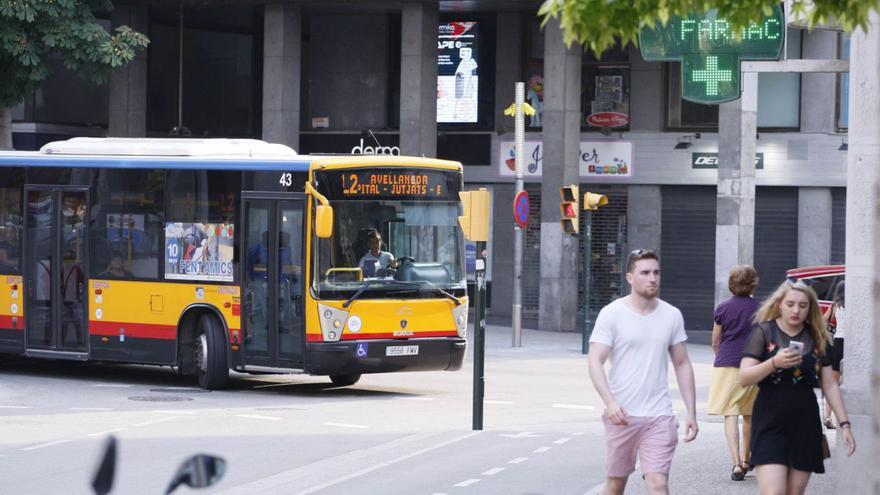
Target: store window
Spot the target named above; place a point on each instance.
(843, 86)
(779, 97)
(605, 88)
(127, 222)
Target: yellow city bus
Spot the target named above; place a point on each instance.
(211, 255)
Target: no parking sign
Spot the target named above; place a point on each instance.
(521, 209)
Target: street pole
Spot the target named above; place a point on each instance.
(479, 335)
(587, 269)
(519, 138)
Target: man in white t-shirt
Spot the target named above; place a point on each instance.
(636, 333)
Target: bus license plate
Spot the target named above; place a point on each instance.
(402, 350)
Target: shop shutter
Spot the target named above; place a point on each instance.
(838, 226)
(776, 236)
(608, 249)
(531, 273)
(688, 253)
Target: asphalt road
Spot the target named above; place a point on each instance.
(389, 434)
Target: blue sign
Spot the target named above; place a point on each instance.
(521, 209)
(362, 350)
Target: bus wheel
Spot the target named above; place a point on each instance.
(345, 380)
(210, 354)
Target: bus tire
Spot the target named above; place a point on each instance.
(345, 380)
(212, 365)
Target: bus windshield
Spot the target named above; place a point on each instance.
(391, 248)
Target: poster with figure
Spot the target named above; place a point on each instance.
(199, 251)
(458, 81)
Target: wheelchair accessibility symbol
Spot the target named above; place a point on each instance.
(362, 350)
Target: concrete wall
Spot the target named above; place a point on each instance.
(643, 217)
(818, 91)
(814, 226)
(646, 94)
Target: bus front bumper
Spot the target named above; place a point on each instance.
(384, 356)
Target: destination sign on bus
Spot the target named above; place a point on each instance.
(391, 184)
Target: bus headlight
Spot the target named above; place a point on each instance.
(353, 324)
(460, 316)
(331, 322)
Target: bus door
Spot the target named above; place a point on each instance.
(273, 285)
(55, 244)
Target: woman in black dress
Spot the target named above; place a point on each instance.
(786, 356)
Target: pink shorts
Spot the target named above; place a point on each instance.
(652, 438)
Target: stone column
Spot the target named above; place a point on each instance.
(735, 218)
(861, 371)
(814, 226)
(508, 66)
(818, 101)
(128, 85)
(644, 218)
(282, 62)
(562, 86)
(418, 79)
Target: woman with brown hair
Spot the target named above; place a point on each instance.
(786, 355)
(733, 325)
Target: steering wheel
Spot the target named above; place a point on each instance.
(405, 259)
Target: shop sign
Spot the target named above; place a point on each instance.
(458, 81)
(595, 159)
(710, 160)
(608, 119)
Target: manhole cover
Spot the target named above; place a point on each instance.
(180, 390)
(158, 398)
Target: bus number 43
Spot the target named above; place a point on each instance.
(286, 179)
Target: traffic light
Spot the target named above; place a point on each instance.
(475, 221)
(569, 209)
(593, 201)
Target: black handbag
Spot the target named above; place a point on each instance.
(823, 445)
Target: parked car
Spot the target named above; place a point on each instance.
(823, 280)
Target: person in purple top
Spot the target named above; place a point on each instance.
(733, 324)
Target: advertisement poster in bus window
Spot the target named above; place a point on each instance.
(458, 79)
(199, 251)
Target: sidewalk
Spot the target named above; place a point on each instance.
(700, 468)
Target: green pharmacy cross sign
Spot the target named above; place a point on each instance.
(710, 52)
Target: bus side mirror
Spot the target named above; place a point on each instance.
(324, 221)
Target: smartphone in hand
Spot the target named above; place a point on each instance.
(796, 346)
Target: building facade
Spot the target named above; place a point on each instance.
(433, 78)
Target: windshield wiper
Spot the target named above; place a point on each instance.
(370, 283)
(364, 287)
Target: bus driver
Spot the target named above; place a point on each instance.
(376, 261)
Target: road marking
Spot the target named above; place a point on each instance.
(91, 409)
(344, 425)
(578, 433)
(574, 406)
(561, 441)
(522, 434)
(492, 471)
(152, 422)
(541, 450)
(166, 411)
(467, 482)
(518, 460)
(112, 385)
(386, 463)
(257, 416)
(47, 444)
(16, 407)
(102, 433)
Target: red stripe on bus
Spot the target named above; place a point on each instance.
(390, 335)
(6, 323)
(137, 330)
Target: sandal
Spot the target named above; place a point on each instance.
(829, 424)
(737, 473)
